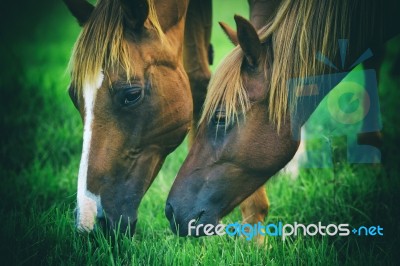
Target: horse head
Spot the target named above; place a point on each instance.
(131, 90)
(237, 147)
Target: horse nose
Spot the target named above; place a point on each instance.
(169, 211)
(174, 222)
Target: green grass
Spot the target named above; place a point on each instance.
(40, 152)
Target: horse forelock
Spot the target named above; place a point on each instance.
(226, 89)
(102, 46)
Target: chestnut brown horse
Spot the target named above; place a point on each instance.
(131, 90)
(245, 135)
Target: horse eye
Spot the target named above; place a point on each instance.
(131, 96)
(220, 118)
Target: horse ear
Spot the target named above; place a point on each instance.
(80, 9)
(231, 33)
(135, 13)
(248, 40)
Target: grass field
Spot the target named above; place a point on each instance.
(41, 135)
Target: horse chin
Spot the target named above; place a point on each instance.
(123, 226)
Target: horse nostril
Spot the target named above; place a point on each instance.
(200, 215)
(169, 211)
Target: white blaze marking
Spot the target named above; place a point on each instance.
(89, 205)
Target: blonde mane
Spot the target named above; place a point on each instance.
(299, 31)
(101, 45)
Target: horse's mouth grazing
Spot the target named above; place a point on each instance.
(190, 227)
(109, 226)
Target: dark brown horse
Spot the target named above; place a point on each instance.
(245, 135)
(130, 87)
